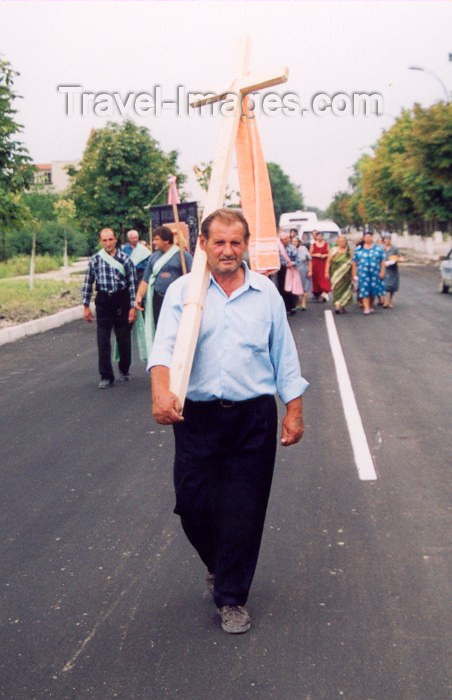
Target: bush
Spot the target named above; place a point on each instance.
(49, 240)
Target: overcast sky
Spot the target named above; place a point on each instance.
(331, 46)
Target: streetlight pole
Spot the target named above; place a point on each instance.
(430, 72)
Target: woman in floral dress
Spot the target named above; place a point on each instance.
(369, 263)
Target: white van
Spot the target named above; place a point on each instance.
(329, 229)
(300, 220)
(306, 222)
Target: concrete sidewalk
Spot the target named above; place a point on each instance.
(39, 325)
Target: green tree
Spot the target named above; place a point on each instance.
(408, 180)
(122, 172)
(384, 183)
(41, 203)
(339, 209)
(203, 173)
(321, 213)
(425, 172)
(286, 195)
(16, 173)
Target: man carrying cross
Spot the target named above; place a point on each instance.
(226, 435)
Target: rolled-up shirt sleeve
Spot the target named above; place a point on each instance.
(284, 356)
(167, 327)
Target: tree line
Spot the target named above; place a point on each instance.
(123, 172)
(406, 183)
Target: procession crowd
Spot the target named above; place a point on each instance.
(370, 271)
(225, 431)
(131, 282)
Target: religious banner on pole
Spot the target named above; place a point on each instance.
(174, 200)
(163, 215)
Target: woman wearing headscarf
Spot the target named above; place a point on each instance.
(339, 271)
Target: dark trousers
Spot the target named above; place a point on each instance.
(223, 471)
(112, 313)
(289, 299)
(157, 301)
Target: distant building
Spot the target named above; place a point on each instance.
(53, 176)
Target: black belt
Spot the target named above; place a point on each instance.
(112, 293)
(226, 403)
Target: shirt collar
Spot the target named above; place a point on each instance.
(251, 280)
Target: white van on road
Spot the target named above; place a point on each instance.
(306, 222)
(328, 228)
(297, 219)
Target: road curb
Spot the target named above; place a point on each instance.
(39, 325)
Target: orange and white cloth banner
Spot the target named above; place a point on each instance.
(256, 195)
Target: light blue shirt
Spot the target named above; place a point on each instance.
(245, 346)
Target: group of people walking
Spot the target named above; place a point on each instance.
(126, 279)
(225, 434)
(371, 271)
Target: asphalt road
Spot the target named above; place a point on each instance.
(101, 596)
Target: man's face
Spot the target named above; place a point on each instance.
(158, 243)
(107, 240)
(133, 239)
(224, 247)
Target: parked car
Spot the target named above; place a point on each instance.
(445, 269)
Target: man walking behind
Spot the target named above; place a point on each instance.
(226, 435)
(137, 252)
(115, 278)
(163, 267)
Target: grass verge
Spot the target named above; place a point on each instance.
(20, 265)
(19, 303)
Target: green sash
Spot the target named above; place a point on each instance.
(139, 253)
(110, 260)
(138, 337)
(149, 325)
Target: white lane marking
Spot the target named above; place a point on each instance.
(363, 458)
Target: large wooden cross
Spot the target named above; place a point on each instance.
(188, 332)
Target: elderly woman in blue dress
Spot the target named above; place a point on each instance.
(369, 268)
(304, 267)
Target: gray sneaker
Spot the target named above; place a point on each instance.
(123, 377)
(104, 384)
(234, 619)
